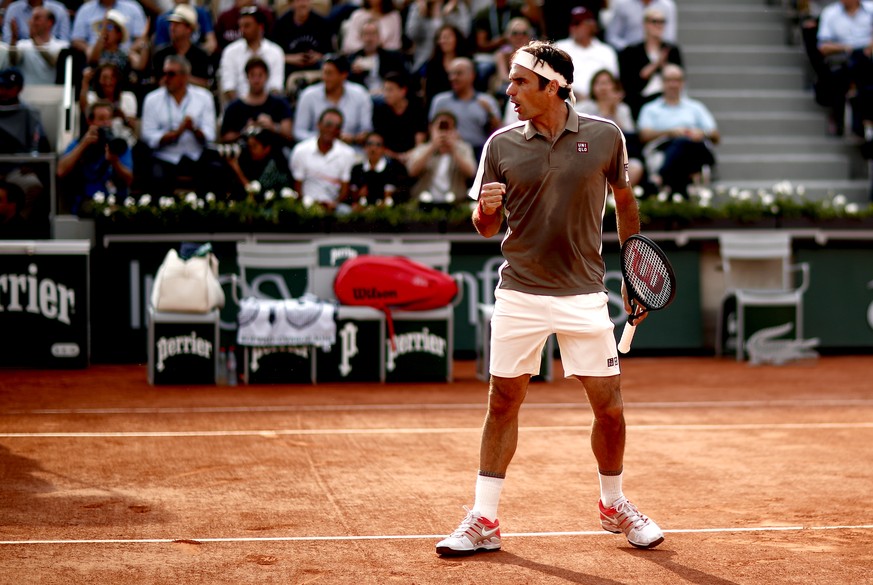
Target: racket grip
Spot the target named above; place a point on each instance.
(627, 336)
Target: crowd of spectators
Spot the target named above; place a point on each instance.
(329, 95)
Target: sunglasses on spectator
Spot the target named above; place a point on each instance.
(172, 73)
(329, 124)
(656, 21)
(518, 32)
(109, 26)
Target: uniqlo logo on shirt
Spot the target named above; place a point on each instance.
(581, 147)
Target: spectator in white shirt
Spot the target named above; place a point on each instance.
(37, 56)
(252, 43)
(178, 120)
(322, 165)
(589, 54)
(93, 12)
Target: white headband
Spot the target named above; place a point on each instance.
(540, 67)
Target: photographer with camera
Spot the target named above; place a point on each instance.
(442, 166)
(99, 161)
(258, 156)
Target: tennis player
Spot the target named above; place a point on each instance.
(549, 175)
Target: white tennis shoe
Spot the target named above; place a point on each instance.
(624, 517)
(474, 534)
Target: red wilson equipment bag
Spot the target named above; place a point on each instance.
(393, 282)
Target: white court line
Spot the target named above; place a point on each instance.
(270, 433)
(419, 536)
(709, 404)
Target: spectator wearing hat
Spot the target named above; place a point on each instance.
(589, 54)
(202, 33)
(19, 13)
(86, 24)
(252, 43)
(182, 23)
(627, 23)
(258, 108)
(37, 55)
(113, 43)
(21, 132)
(335, 91)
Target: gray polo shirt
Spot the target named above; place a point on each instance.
(555, 202)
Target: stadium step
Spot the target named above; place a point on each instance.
(757, 100)
(739, 34)
(734, 77)
(743, 56)
(771, 123)
(800, 167)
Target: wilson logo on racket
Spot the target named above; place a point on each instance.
(647, 273)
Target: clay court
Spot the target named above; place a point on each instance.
(758, 475)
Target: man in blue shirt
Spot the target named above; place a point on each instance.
(677, 132)
(20, 11)
(95, 162)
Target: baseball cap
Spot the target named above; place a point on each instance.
(580, 14)
(11, 77)
(185, 14)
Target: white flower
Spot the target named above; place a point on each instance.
(768, 199)
(639, 191)
(362, 201)
(210, 197)
(99, 197)
(852, 208)
(308, 201)
(840, 201)
(734, 192)
(705, 194)
(129, 202)
(269, 195)
(110, 200)
(165, 202)
(662, 196)
(201, 204)
(450, 197)
(704, 202)
(191, 198)
(389, 202)
(287, 193)
(107, 212)
(253, 188)
(677, 198)
(145, 200)
(425, 197)
(745, 195)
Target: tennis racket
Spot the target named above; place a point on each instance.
(649, 280)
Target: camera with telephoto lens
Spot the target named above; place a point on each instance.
(107, 138)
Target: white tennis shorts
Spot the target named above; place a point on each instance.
(522, 322)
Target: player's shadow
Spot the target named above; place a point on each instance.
(507, 558)
(664, 559)
(30, 501)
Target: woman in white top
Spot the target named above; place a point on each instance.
(108, 87)
(606, 100)
(390, 26)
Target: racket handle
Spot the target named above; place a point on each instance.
(627, 337)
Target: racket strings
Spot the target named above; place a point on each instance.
(648, 275)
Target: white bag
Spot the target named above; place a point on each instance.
(187, 286)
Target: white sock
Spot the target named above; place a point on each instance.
(610, 488)
(487, 496)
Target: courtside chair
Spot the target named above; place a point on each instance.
(276, 271)
(758, 272)
(359, 354)
(424, 340)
